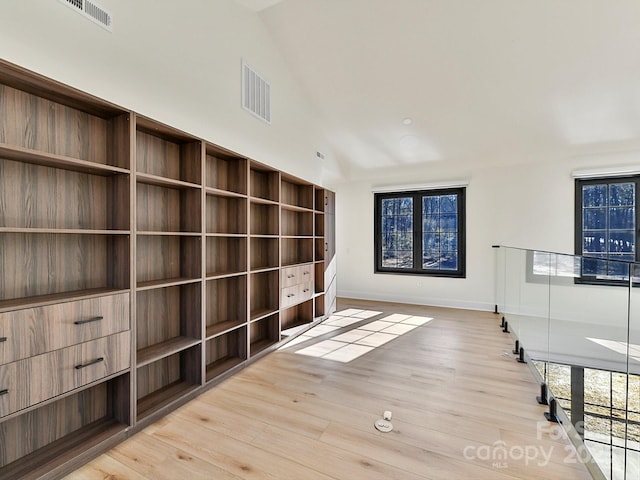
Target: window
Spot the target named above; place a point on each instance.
(606, 227)
(420, 232)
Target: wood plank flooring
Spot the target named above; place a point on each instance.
(457, 401)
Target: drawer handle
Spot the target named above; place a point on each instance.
(326, 247)
(291, 295)
(88, 320)
(306, 290)
(306, 273)
(326, 200)
(92, 362)
(3, 339)
(4, 392)
(290, 276)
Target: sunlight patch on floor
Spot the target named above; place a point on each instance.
(348, 345)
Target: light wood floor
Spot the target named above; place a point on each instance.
(456, 398)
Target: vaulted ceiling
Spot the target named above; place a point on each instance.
(488, 82)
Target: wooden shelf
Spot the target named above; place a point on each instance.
(297, 250)
(55, 454)
(166, 157)
(164, 210)
(46, 441)
(222, 327)
(167, 259)
(297, 315)
(163, 397)
(225, 352)
(320, 199)
(265, 292)
(222, 275)
(264, 201)
(222, 365)
(225, 255)
(263, 333)
(168, 320)
(225, 171)
(264, 253)
(166, 282)
(226, 215)
(158, 351)
(36, 157)
(64, 231)
(295, 193)
(158, 181)
(226, 302)
(264, 182)
(224, 193)
(42, 300)
(166, 380)
(263, 219)
(44, 264)
(297, 223)
(260, 313)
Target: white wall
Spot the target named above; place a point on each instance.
(525, 205)
(178, 62)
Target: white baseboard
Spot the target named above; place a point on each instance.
(419, 300)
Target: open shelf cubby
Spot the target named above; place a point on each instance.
(42, 264)
(296, 223)
(265, 290)
(225, 352)
(100, 131)
(264, 219)
(297, 250)
(296, 194)
(41, 440)
(226, 256)
(320, 249)
(168, 209)
(225, 171)
(263, 334)
(163, 259)
(226, 304)
(264, 253)
(264, 183)
(320, 199)
(168, 320)
(167, 380)
(227, 215)
(167, 153)
(66, 200)
(319, 226)
(319, 277)
(297, 315)
(319, 309)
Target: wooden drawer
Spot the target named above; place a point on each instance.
(36, 379)
(33, 331)
(295, 275)
(295, 294)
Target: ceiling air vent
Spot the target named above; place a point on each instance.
(256, 94)
(91, 11)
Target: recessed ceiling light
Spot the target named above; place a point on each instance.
(407, 121)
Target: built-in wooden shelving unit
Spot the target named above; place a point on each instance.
(139, 266)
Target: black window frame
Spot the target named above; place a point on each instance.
(578, 230)
(417, 233)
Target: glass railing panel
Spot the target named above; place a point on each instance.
(588, 312)
(633, 386)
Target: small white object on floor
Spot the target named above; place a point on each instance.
(384, 424)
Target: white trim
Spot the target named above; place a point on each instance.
(420, 186)
(623, 171)
(418, 300)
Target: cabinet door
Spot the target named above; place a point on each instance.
(329, 237)
(329, 202)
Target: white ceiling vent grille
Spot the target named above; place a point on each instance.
(256, 94)
(90, 10)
